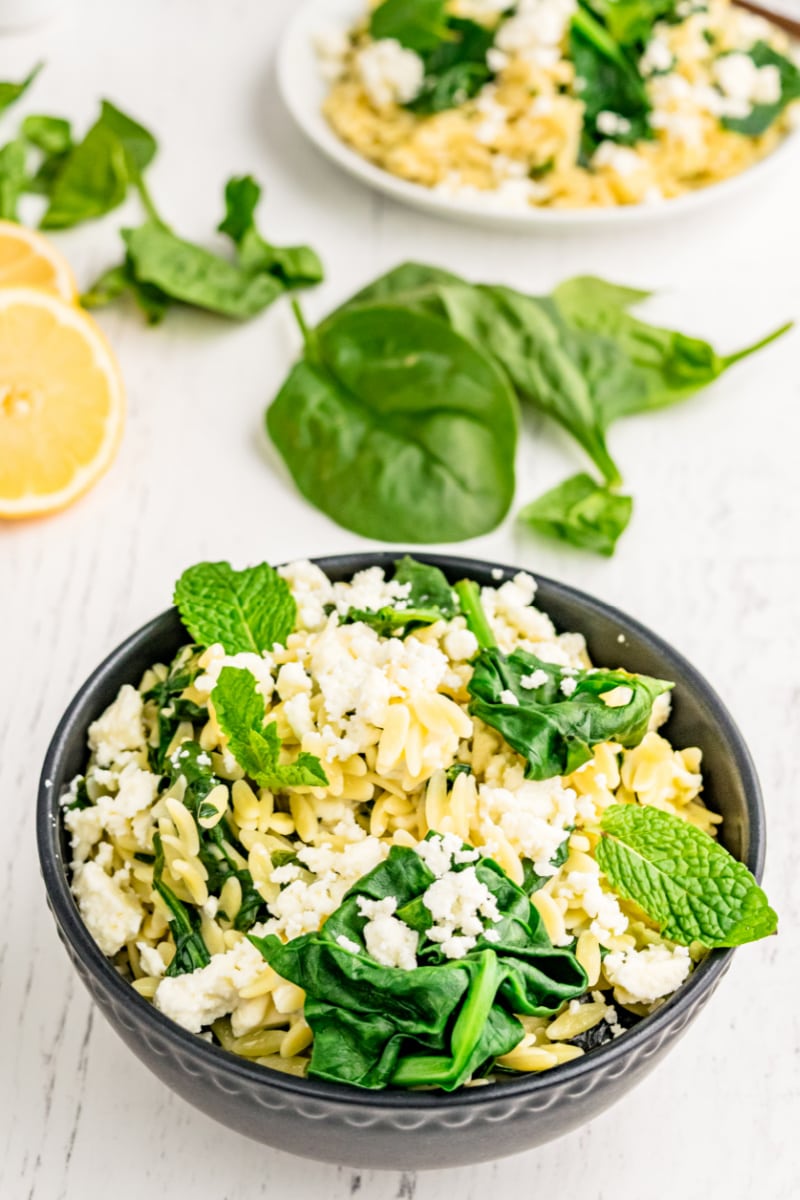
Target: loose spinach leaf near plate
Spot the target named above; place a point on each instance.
(13, 177)
(398, 428)
(11, 92)
(441, 1022)
(430, 598)
(762, 116)
(582, 512)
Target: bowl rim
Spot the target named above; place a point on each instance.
(54, 871)
(293, 50)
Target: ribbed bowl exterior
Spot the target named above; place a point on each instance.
(394, 1129)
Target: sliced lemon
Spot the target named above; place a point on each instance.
(28, 259)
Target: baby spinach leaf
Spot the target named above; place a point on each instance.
(532, 881)
(431, 598)
(13, 177)
(630, 22)
(196, 276)
(582, 512)
(556, 724)
(118, 281)
(609, 81)
(138, 143)
(52, 135)
(191, 952)
(398, 428)
(92, 181)
(762, 116)
(256, 746)
(245, 611)
(416, 24)
(11, 92)
(440, 1022)
(455, 68)
(294, 266)
(682, 878)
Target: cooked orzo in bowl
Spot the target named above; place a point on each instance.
(560, 104)
(390, 832)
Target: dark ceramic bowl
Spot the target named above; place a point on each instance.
(397, 1129)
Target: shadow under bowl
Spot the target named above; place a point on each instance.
(396, 1129)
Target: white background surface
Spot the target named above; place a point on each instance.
(711, 561)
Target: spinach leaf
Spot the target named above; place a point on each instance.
(245, 611)
(630, 22)
(13, 177)
(582, 512)
(682, 878)
(609, 81)
(256, 746)
(138, 143)
(532, 881)
(11, 92)
(763, 115)
(555, 717)
(416, 24)
(191, 952)
(93, 180)
(430, 598)
(441, 1022)
(294, 266)
(118, 281)
(398, 428)
(172, 709)
(456, 68)
(52, 135)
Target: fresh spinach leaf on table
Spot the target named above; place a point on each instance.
(51, 135)
(398, 427)
(581, 511)
(294, 266)
(13, 177)
(11, 92)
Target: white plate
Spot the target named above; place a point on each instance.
(304, 90)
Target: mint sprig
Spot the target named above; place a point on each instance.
(682, 878)
(247, 610)
(255, 745)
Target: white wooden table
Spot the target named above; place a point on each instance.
(712, 561)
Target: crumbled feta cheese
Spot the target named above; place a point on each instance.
(608, 919)
(536, 25)
(460, 644)
(286, 874)
(497, 573)
(119, 729)
(534, 816)
(348, 944)
(613, 124)
(112, 915)
(302, 906)
(292, 680)
(312, 591)
(620, 159)
(389, 940)
(150, 960)
(137, 790)
(86, 827)
(390, 74)
(568, 685)
(508, 697)
(657, 57)
(536, 679)
(214, 659)
(647, 975)
(201, 997)
(299, 716)
(459, 903)
(491, 935)
(740, 79)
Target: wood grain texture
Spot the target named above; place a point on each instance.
(711, 561)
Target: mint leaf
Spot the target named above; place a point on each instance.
(582, 512)
(245, 610)
(255, 745)
(682, 878)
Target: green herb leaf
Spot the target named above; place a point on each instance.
(92, 181)
(245, 611)
(398, 428)
(138, 143)
(416, 24)
(191, 952)
(682, 878)
(255, 745)
(430, 598)
(559, 715)
(52, 135)
(762, 116)
(441, 1022)
(455, 68)
(118, 281)
(11, 92)
(610, 82)
(13, 177)
(294, 266)
(582, 512)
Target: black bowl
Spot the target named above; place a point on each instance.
(393, 1128)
